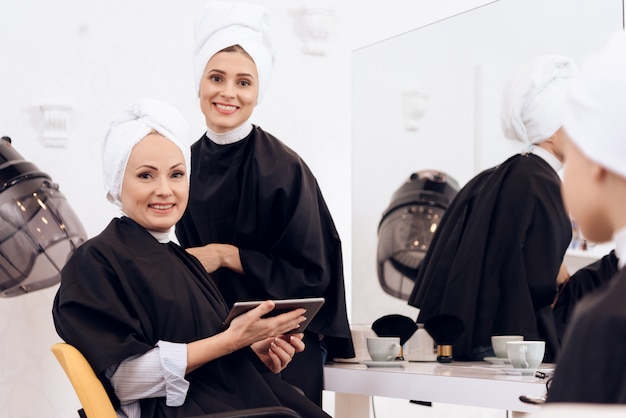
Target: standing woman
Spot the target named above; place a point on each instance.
(256, 216)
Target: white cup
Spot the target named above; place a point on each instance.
(498, 342)
(383, 348)
(525, 354)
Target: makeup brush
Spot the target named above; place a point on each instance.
(395, 325)
(445, 330)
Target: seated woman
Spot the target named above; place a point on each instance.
(496, 258)
(145, 313)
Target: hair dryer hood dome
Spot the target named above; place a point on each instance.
(38, 229)
(407, 228)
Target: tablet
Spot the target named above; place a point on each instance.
(312, 306)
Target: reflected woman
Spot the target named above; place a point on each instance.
(496, 258)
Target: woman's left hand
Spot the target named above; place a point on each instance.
(277, 352)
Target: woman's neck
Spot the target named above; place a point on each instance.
(230, 137)
(162, 237)
(620, 246)
(549, 146)
(547, 156)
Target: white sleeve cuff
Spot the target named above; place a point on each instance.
(157, 373)
(174, 365)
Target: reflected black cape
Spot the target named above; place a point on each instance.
(585, 281)
(592, 365)
(494, 259)
(258, 195)
(123, 291)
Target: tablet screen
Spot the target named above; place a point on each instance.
(312, 306)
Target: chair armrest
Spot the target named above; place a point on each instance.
(269, 411)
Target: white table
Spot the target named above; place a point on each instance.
(463, 383)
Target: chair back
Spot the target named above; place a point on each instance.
(90, 391)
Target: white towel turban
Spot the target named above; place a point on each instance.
(594, 114)
(222, 24)
(131, 125)
(533, 98)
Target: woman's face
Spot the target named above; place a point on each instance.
(228, 90)
(582, 193)
(155, 189)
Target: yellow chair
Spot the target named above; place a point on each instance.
(95, 400)
(90, 391)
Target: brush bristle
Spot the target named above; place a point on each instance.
(395, 325)
(444, 329)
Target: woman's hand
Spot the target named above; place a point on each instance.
(214, 256)
(276, 353)
(563, 275)
(249, 328)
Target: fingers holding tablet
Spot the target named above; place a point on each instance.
(311, 305)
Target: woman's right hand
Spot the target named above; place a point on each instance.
(242, 332)
(251, 327)
(214, 256)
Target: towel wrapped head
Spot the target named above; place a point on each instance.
(593, 114)
(533, 98)
(131, 125)
(224, 24)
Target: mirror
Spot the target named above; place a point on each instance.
(456, 68)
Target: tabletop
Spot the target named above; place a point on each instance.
(479, 384)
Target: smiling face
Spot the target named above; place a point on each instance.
(155, 189)
(228, 90)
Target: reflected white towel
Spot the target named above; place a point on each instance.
(533, 98)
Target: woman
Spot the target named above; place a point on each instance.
(497, 255)
(136, 304)
(256, 216)
(592, 366)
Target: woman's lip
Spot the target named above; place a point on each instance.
(161, 206)
(225, 108)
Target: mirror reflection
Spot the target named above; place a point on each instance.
(430, 99)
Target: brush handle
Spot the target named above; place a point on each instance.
(444, 354)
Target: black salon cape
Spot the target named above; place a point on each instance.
(592, 365)
(583, 282)
(123, 291)
(496, 254)
(260, 196)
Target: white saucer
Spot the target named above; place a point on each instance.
(525, 372)
(392, 363)
(346, 360)
(497, 360)
(518, 372)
